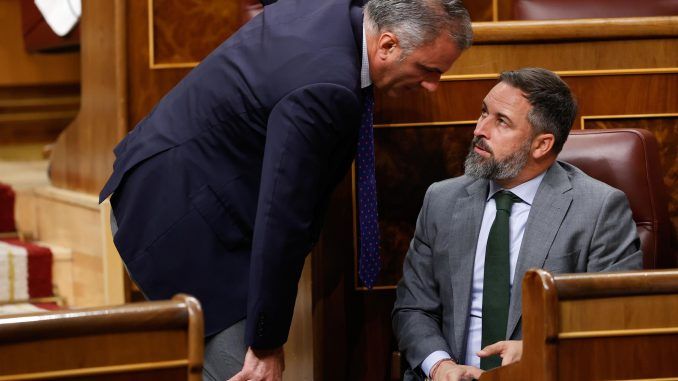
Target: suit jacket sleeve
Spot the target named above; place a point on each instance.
(615, 245)
(417, 313)
(303, 130)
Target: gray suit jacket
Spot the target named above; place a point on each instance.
(576, 224)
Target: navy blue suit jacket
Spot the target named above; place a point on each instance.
(221, 190)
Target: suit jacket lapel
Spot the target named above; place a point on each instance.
(465, 227)
(549, 207)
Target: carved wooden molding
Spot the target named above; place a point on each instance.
(575, 30)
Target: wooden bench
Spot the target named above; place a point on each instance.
(161, 340)
(604, 326)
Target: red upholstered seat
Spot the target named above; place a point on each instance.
(628, 159)
(25, 268)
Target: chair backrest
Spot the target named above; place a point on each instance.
(628, 159)
(160, 340)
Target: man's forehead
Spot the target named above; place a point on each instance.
(439, 53)
(507, 98)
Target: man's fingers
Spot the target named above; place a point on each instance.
(238, 377)
(492, 349)
(509, 357)
(513, 352)
(475, 372)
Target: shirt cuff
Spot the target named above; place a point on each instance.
(431, 360)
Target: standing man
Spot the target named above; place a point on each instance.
(221, 190)
(458, 304)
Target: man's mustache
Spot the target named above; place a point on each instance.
(480, 143)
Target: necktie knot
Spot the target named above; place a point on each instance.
(505, 200)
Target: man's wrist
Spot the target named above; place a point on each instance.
(267, 352)
(436, 366)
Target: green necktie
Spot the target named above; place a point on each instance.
(496, 280)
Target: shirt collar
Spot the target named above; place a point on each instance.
(365, 79)
(526, 191)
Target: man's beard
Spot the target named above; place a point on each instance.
(479, 167)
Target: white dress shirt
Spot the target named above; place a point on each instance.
(365, 79)
(517, 221)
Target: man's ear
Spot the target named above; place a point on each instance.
(542, 145)
(386, 45)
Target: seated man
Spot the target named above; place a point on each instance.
(516, 207)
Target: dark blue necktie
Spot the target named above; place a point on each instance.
(370, 262)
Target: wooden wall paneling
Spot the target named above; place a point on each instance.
(453, 102)
(37, 113)
(82, 156)
(403, 180)
(572, 45)
(630, 28)
(299, 346)
(594, 361)
(489, 10)
(332, 286)
(39, 93)
(176, 24)
(503, 10)
(609, 94)
(577, 316)
(165, 46)
(146, 86)
(652, 55)
(480, 10)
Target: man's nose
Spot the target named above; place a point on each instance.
(431, 84)
(480, 129)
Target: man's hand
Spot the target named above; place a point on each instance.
(510, 351)
(449, 371)
(262, 365)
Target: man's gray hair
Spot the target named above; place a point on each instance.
(419, 22)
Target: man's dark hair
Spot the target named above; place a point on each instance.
(553, 106)
(419, 22)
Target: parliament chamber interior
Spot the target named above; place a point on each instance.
(68, 309)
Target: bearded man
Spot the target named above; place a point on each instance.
(458, 307)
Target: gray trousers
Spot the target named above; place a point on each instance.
(114, 224)
(225, 353)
